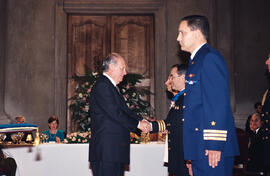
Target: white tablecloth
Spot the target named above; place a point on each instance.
(72, 160)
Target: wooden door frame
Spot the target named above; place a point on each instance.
(93, 7)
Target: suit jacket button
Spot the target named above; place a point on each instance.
(183, 120)
(196, 129)
(169, 132)
(192, 62)
(169, 140)
(266, 113)
(266, 121)
(262, 115)
(266, 129)
(169, 148)
(266, 137)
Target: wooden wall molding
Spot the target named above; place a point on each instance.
(119, 6)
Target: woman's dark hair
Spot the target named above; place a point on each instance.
(53, 118)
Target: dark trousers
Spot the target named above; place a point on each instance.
(107, 169)
(201, 167)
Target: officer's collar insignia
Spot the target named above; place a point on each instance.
(190, 82)
(191, 75)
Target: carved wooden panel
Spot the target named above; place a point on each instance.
(132, 37)
(88, 42)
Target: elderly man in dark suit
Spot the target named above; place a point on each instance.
(255, 147)
(209, 135)
(111, 121)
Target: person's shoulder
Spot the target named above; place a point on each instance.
(213, 56)
(101, 82)
(60, 131)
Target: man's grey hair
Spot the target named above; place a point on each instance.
(110, 59)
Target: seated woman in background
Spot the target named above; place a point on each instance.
(53, 133)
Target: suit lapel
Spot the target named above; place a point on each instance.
(116, 90)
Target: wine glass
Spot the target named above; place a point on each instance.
(145, 138)
(14, 138)
(20, 136)
(43, 137)
(2, 137)
(161, 137)
(29, 138)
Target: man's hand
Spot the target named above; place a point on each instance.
(189, 166)
(213, 157)
(58, 140)
(145, 126)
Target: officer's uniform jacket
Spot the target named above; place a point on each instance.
(174, 125)
(209, 122)
(266, 127)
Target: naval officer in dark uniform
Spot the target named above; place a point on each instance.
(209, 135)
(174, 122)
(266, 123)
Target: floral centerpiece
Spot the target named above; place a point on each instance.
(78, 137)
(134, 138)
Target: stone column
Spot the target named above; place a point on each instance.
(3, 116)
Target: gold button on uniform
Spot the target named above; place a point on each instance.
(267, 113)
(185, 94)
(183, 120)
(191, 75)
(184, 107)
(266, 121)
(266, 129)
(262, 115)
(196, 129)
(213, 123)
(192, 62)
(266, 137)
(169, 140)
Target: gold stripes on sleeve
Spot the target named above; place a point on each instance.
(215, 135)
(264, 97)
(161, 125)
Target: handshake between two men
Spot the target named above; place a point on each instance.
(145, 126)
